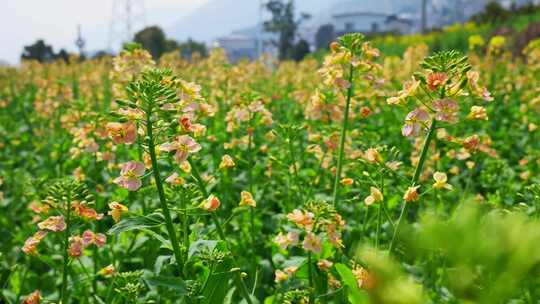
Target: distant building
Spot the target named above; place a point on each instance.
(242, 43)
(372, 17)
(400, 25)
(365, 22)
(370, 22)
(238, 46)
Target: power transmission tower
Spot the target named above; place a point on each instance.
(126, 17)
(80, 42)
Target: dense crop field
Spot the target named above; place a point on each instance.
(364, 178)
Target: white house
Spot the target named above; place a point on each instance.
(370, 17)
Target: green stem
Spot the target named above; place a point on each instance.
(379, 215)
(63, 291)
(295, 169)
(110, 290)
(415, 178)
(202, 187)
(310, 276)
(185, 225)
(161, 193)
(343, 135)
(23, 281)
(250, 185)
(243, 288)
(378, 226)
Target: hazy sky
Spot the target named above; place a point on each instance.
(24, 21)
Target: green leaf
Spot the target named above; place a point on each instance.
(229, 297)
(137, 223)
(219, 284)
(200, 245)
(157, 236)
(296, 261)
(174, 283)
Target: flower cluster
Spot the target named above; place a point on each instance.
(176, 107)
(437, 90)
(69, 212)
(314, 225)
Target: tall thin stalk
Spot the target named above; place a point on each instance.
(161, 193)
(250, 186)
(344, 127)
(215, 219)
(379, 213)
(185, 224)
(202, 187)
(414, 181)
(242, 287)
(295, 168)
(310, 278)
(65, 268)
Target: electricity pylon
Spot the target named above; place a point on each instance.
(126, 17)
(80, 42)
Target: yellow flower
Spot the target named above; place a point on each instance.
(364, 279)
(324, 265)
(454, 170)
(374, 197)
(476, 41)
(107, 271)
(226, 162)
(478, 113)
(53, 223)
(301, 219)
(347, 181)
(393, 165)
(411, 195)
(175, 179)
(497, 42)
(281, 276)
(373, 156)
(246, 199)
(117, 210)
(185, 166)
(211, 203)
(441, 181)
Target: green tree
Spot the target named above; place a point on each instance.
(153, 39)
(39, 51)
(283, 23)
(190, 47)
(300, 50)
(43, 52)
(493, 13)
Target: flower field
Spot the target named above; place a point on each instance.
(359, 178)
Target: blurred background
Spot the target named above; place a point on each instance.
(54, 29)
